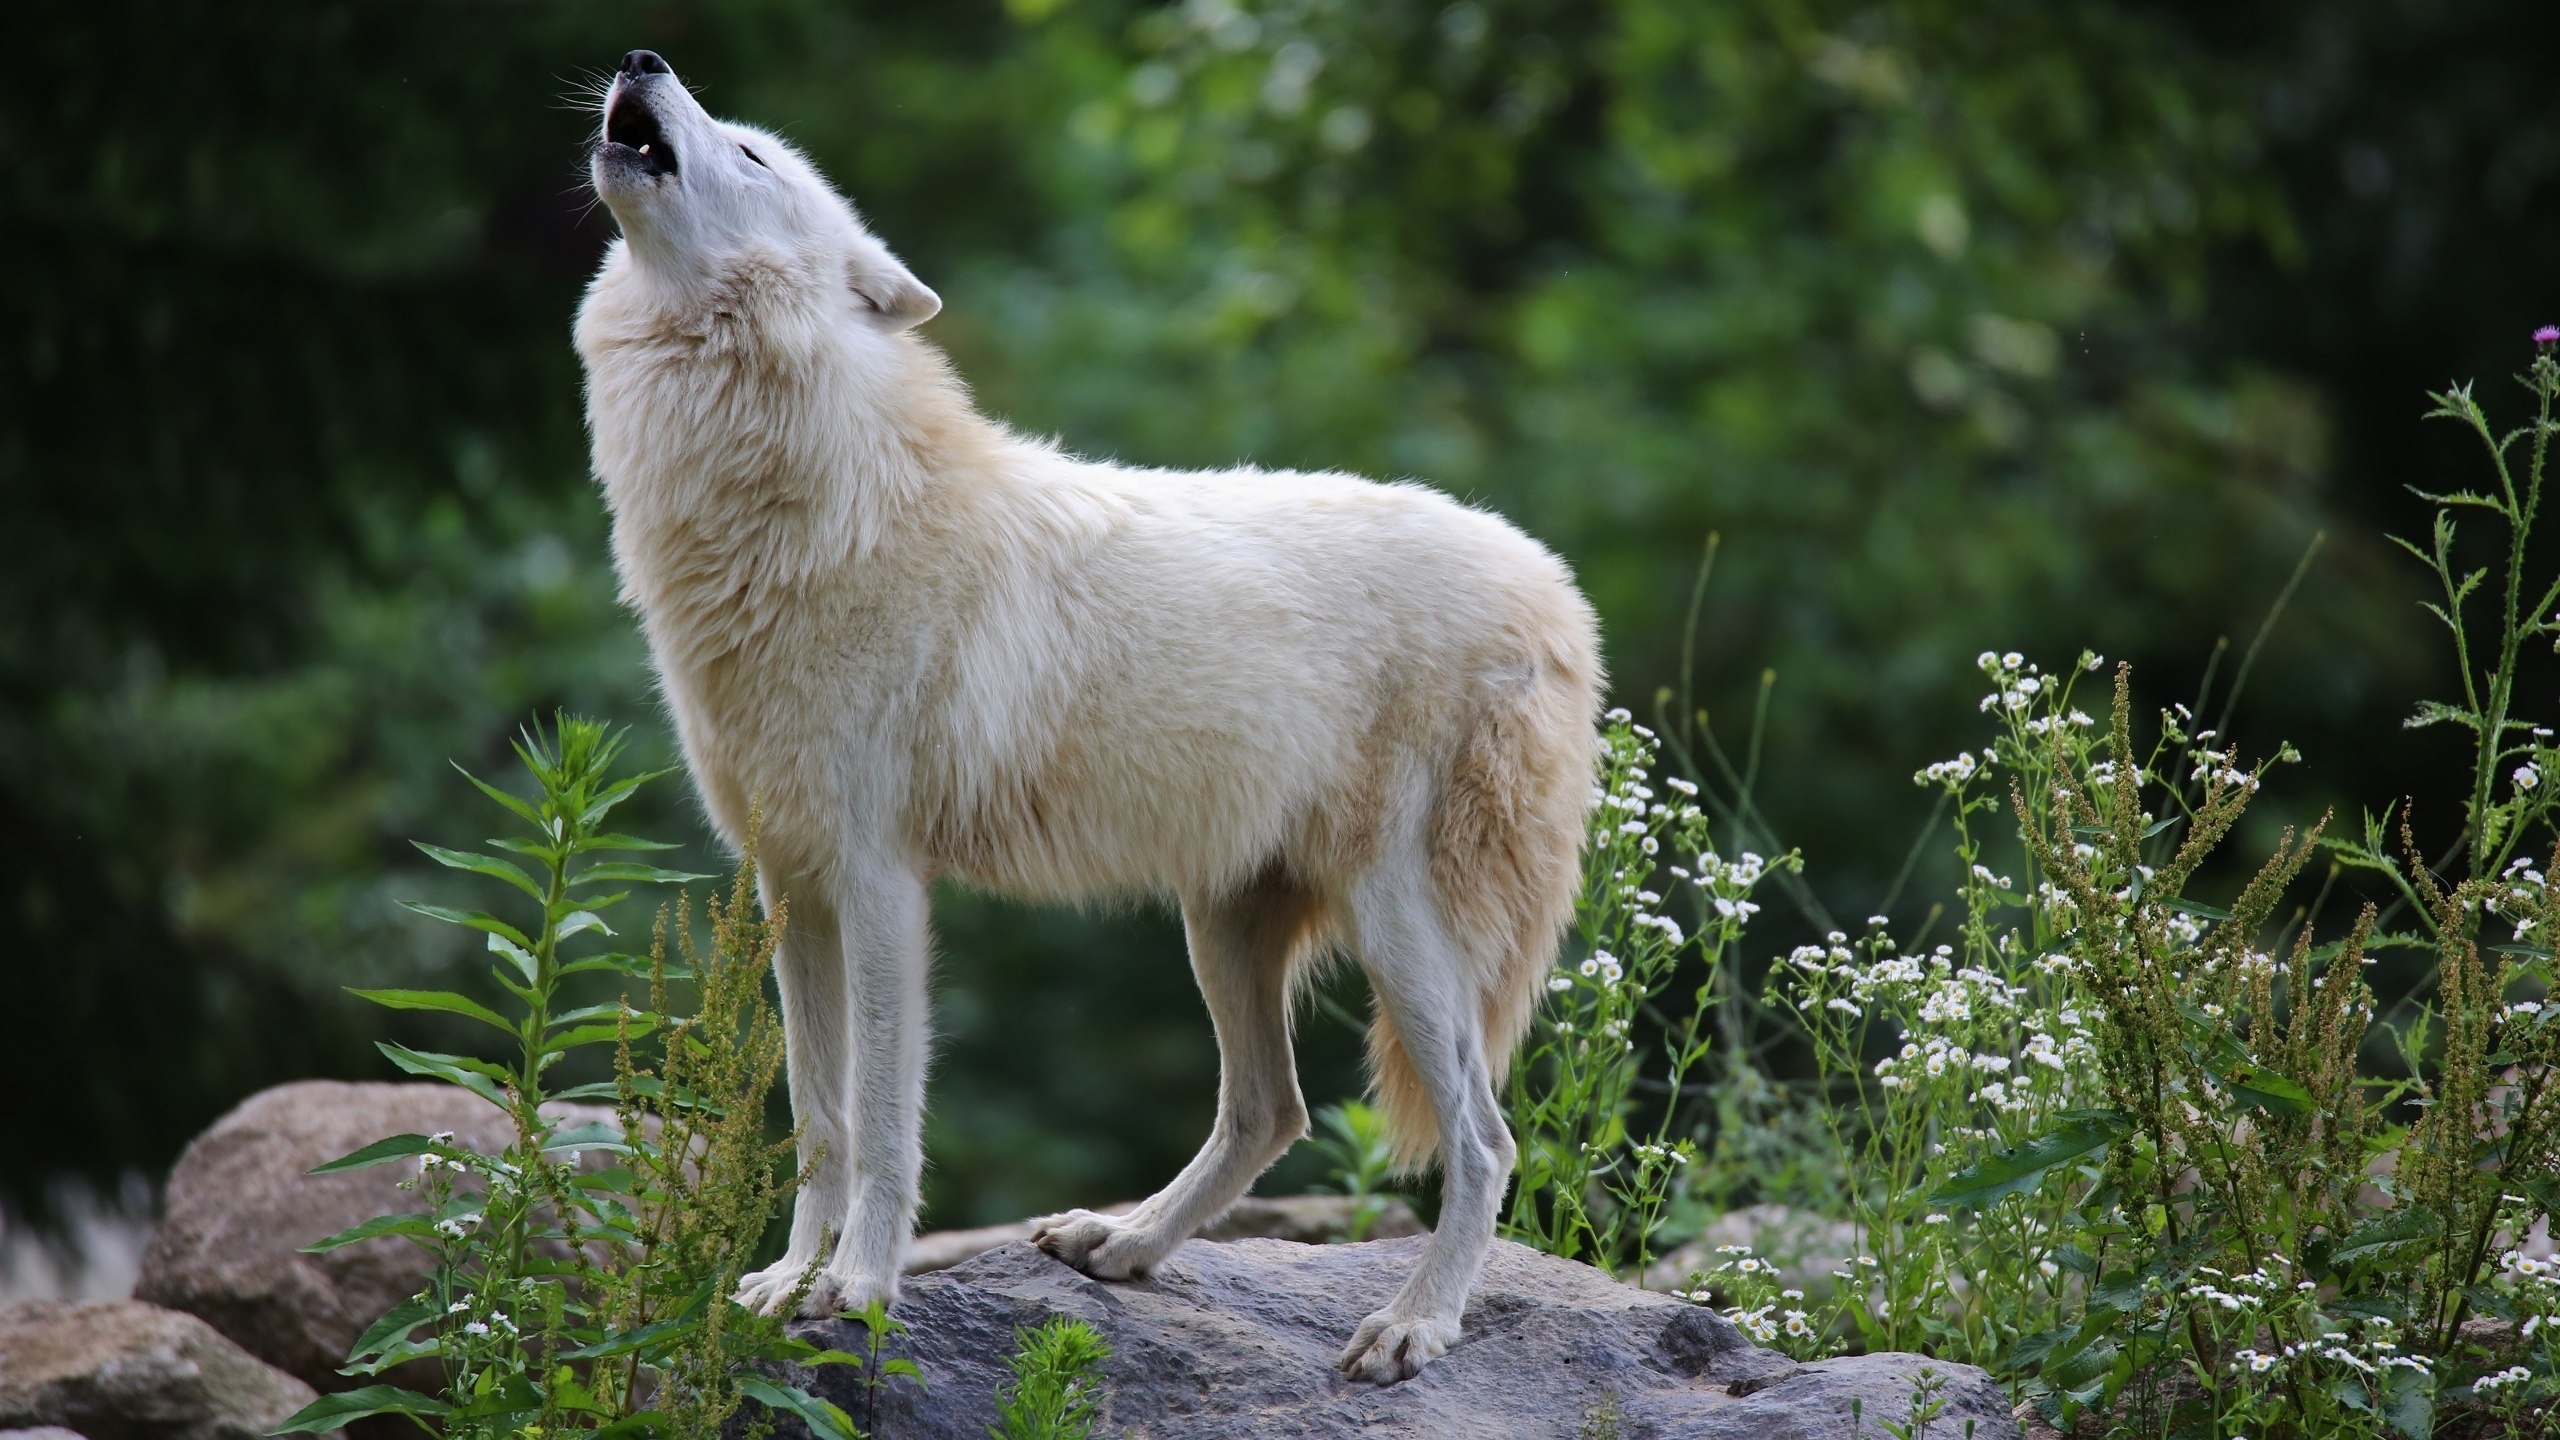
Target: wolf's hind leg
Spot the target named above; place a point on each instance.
(1428, 989)
(1243, 948)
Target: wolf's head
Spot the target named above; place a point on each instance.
(700, 199)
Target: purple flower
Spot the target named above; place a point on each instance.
(2548, 334)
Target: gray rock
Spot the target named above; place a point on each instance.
(1806, 1248)
(42, 1432)
(123, 1370)
(241, 1204)
(1307, 1219)
(1239, 1339)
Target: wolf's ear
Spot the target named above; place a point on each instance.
(890, 289)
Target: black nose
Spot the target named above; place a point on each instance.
(645, 62)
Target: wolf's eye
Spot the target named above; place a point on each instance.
(750, 154)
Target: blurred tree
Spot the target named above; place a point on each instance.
(2000, 323)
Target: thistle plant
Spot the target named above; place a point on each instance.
(566, 1295)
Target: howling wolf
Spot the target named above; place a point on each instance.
(1324, 714)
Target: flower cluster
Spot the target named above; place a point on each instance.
(2015, 683)
(1761, 1310)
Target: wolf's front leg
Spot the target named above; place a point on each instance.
(816, 1024)
(882, 910)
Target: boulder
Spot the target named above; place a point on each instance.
(1307, 1219)
(242, 1203)
(123, 1370)
(1239, 1338)
(1809, 1250)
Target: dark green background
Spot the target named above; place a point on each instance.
(1967, 323)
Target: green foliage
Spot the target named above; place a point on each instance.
(567, 1295)
(1360, 1160)
(1056, 1392)
(2126, 1147)
(2211, 1212)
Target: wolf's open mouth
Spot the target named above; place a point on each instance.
(630, 124)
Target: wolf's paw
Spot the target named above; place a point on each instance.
(1388, 1348)
(838, 1292)
(1098, 1245)
(767, 1291)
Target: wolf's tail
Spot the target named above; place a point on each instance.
(1506, 843)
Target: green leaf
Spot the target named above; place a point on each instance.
(638, 1425)
(822, 1418)
(380, 1152)
(2378, 1240)
(394, 1326)
(594, 1090)
(444, 1000)
(2022, 1168)
(590, 1034)
(473, 918)
(469, 1074)
(622, 964)
(2267, 1090)
(416, 1223)
(640, 1339)
(330, 1412)
(593, 1135)
(2076, 1372)
(477, 864)
(2410, 1406)
(579, 921)
(628, 870)
(594, 1012)
(625, 842)
(2118, 1290)
(519, 957)
(2031, 1350)
(530, 815)
(811, 1355)
(614, 795)
(512, 1395)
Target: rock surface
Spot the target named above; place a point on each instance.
(241, 1204)
(123, 1370)
(1307, 1219)
(1239, 1338)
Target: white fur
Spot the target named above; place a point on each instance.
(1311, 708)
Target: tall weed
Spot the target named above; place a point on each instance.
(567, 1296)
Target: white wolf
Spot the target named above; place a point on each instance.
(1315, 710)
